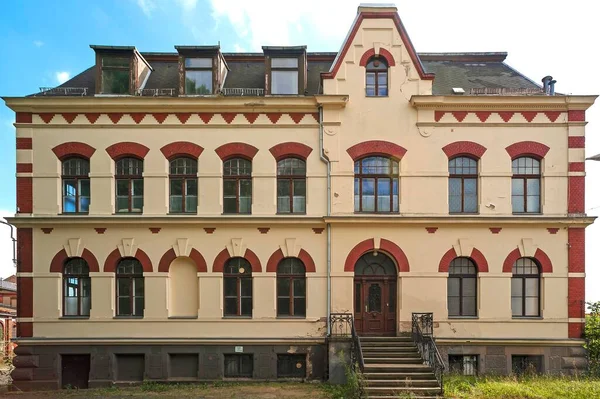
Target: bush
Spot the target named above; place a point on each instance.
(592, 336)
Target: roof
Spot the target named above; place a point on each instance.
(465, 70)
(594, 158)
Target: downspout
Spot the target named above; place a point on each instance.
(12, 236)
(326, 161)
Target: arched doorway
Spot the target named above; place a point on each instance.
(375, 294)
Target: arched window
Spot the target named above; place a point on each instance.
(130, 185)
(183, 185)
(291, 186)
(462, 288)
(525, 288)
(76, 185)
(77, 288)
(377, 77)
(291, 288)
(130, 288)
(462, 188)
(376, 185)
(237, 186)
(526, 185)
(237, 280)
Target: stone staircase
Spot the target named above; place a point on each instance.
(393, 368)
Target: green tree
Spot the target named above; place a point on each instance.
(592, 336)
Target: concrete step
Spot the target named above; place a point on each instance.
(380, 339)
(388, 343)
(400, 391)
(392, 360)
(391, 353)
(403, 383)
(388, 348)
(399, 375)
(391, 368)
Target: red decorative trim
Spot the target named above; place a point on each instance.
(431, 230)
(438, 115)
(382, 53)
(115, 117)
(24, 143)
(529, 115)
(403, 35)
(138, 117)
(510, 260)
(251, 116)
(92, 116)
(24, 250)
(464, 148)
(576, 295)
(576, 141)
(540, 256)
(228, 116)
(231, 150)
(277, 257)
(318, 230)
(290, 149)
(274, 260)
(483, 115)
(316, 116)
(263, 230)
(180, 149)
(376, 147)
(359, 250)
(47, 230)
(69, 117)
(576, 238)
(506, 115)
(575, 330)
(210, 230)
(23, 117)
(198, 259)
(111, 262)
(58, 261)
(154, 230)
(206, 116)
(296, 116)
(309, 263)
(544, 261)
(126, 148)
(476, 256)
(576, 166)
(576, 194)
(160, 117)
(165, 261)
(100, 230)
(396, 252)
(368, 245)
(224, 256)
(24, 195)
(24, 328)
(24, 167)
(183, 116)
(552, 115)
(527, 148)
(459, 115)
(495, 230)
(552, 230)
(73, 148)
(25, 296)
(46, 117)
(274, 116)
(576, 115)
(444, 265)
(480, 260)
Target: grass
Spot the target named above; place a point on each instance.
(532, 387)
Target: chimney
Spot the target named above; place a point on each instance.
(548, 85)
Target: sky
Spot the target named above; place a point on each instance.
(43, 44)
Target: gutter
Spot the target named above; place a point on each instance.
(326, 161)
(12, 236)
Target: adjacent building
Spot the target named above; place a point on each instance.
(198, 215)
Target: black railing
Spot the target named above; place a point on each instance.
(422, 335)
(342, 325)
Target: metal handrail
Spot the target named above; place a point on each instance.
(342, 326)
(422, 335)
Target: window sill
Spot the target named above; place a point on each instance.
(377, 96)
(292, 317)
(291, 213)
(74, 318)
(237, 317)
(527, 318)
(463, 317)
(128, 317)
(183, 317)
(463, 213)
(376, 213)
(236, 214)
(127, 213)
(182, 213)
(526, 213)
(75, 213)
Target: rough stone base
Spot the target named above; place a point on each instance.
(40, 367)
(339, 359)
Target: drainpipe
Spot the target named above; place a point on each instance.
(13, 240)
(326, 161)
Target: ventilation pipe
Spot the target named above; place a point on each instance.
(548, 85)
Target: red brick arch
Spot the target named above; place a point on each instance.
(181, 149)
(170, 256)
(290, 149)
(386, 246)
(111, 262)
(540, 256)
(231, 150)
(277, 257)
(126, 149)
(524, 148)
(223, 256)
(58, 262)
(382, 53)
(468, 148)
(73, 149)
(376, 147)
(476, 256)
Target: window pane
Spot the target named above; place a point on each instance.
(137, 187)
(469, 287)
(122, 187)
(516, 287)
(518, 187)
(533, 204)
(469, 305)
(122, 204)
(123, 287)
(517, 306)
(246, 287)
(370, 91)
(176, 187)
(191, 204)
(395, 195)
(455, 194)
(532, 287)
(139, 306)
(124, 304)
(284, 62)
(246, 307)
(229, 205)
(299, 196)
(283, 287)
(368, 195)
(453, 286)
(198, 82)
(370, 78)
(382, 90)
(230, 188)
(245, 188)
(300, 307)
(470, 203)
(383, 195)
(84, 204)
(137, 204)
(231, 306)
(84, 187)
(85, 306)
(453, 306)
(69, 204)
(115, 81)
(71, 306)
(191, 187)
(299, 287)
(531, 306)
(175, 204)
(198, 63)
(283, 306)
(284, 82)
(138, 286)
(356, 195)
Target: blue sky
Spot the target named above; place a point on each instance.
(42, 42)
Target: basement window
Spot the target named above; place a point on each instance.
(527, 364)
(463, 364)
(291, 366)
(198, 76)
(239, 366)
(115, 75)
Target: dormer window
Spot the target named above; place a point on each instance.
(284, 75)
(115, 75)
(377, 77)
(198, 76)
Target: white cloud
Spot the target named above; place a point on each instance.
(6, 247)
(38, 43)
(62, 77)
(187, 5)
(147, 6)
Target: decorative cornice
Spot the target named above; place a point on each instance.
(502, 103)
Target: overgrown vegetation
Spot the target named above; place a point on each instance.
(592, 336)
(352, 389)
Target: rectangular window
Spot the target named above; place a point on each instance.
(115, 75)
(130, 296)
(183, 190)
(463, 364)
(130, 195)
(284, 76)
(527, 364)
(291, 366)
(198, 76)
(239, 366)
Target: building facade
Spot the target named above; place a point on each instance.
(198, 214)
